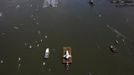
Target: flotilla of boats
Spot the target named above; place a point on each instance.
(66, 56)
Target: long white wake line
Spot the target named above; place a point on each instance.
(116, 31)
(19, 65)
(18, 68)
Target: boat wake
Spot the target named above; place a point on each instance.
(18, 69)
(116, 31)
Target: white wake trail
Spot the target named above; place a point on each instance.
(116, 31)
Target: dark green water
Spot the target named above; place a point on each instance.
(73, 21)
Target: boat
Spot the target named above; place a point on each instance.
(47, 52)
(67, 56)
(113, 49)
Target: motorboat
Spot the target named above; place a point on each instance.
(47, 52)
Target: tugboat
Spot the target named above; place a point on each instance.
(46, 56)
(67, 56)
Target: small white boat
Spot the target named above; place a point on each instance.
(46, 56)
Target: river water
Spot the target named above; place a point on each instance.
(27, 28)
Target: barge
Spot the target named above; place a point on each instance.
(67, 56)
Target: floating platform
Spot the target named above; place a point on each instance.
(69, 49)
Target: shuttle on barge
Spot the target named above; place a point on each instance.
(67, 56)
